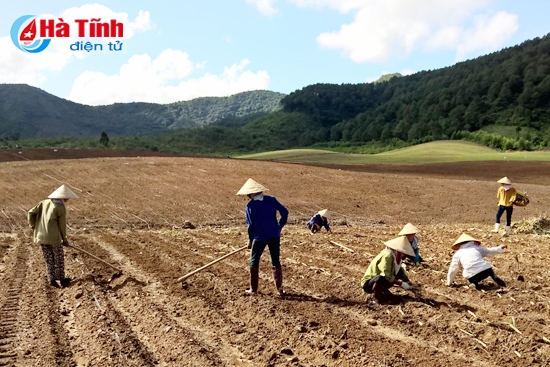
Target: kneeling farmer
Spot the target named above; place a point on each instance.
(386, 271)
(470, 254)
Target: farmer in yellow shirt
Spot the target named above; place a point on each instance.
(48, 220)
(506, 196)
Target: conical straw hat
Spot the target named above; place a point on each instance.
(505, 180)
(400, 244)
(463, 238)
(251, 187)
(324, 213)
(408, 229)
(63, 192)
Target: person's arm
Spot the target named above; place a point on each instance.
(283, 212)
(490, 252)
(513, 197)
(402, 274)
(326, 225)
(416, 256)
(62, 222)
(250, 224)
(32, 215)
(385, 267)
(453, 269)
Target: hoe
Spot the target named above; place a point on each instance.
(115, 275)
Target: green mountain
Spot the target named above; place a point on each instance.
(501, 100)
(28, 112)
(508, 88)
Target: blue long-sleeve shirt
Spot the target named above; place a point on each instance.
(261, 216)
(317, 219)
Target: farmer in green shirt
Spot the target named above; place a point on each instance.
(386, 271)
(48, 220)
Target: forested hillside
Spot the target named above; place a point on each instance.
(506, 88)
(501, 100)
(28, 112)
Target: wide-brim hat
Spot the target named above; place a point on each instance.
(408, 229)
(324, 213)
(463, 238)
(251, 187)
(505, 180)
(63, 192)
(400, 244)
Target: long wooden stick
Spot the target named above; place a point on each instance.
(342, 246)
(95, 257)
(210, 263)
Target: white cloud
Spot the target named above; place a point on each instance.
(145, 80)
(382, 30)
(264, 6)
(17, 66)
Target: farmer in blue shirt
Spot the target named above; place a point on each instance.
(263, 230)
(320, 219)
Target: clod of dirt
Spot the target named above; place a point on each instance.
(335, 354)
(188, 225)
(521, 278)
(371, 322)
(313, 324)
(301, 329)
(287, 351)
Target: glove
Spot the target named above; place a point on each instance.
(405, 285)
(65, 243)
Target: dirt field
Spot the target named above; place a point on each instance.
(137, 212)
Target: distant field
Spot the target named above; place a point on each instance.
(433, 152)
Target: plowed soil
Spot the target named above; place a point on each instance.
(158, 218)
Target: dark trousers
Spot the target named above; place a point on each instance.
(313, 227)
(380, 281)
(501, 209)
(482, 275)
(258, 248)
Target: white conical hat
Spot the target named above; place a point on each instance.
(63, 192)
(324, 213)
(408, 229)
(400, 244)
(463, 238)
(505, 180)
(251, 187)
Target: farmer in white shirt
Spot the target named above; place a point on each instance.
(470, 254)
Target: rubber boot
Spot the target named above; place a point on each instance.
(278, 277)
(508, 231)
(497, 226)
(378, 292)
(254, 274)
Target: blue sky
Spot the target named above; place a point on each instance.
(175, 51)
